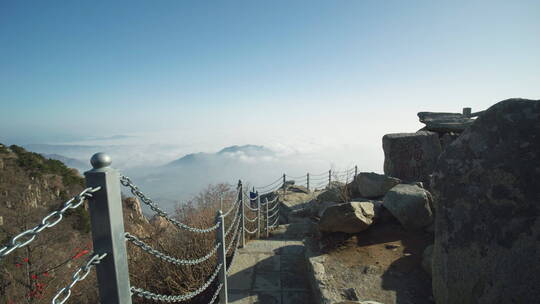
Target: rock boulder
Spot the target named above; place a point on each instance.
(487, 200)
(350, 217)
(411, 156)
(409, 204)
(372, 185)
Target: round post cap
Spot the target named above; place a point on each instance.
(100, 160)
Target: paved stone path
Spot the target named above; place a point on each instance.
(271, 271)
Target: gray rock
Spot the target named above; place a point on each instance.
(487, 200)
(445, 122)
(427, 259)
(409, 204)
(373, 185)
(350, 217)
(411, 156)
(335, 194)
(447, 139)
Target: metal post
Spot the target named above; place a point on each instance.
(308, 182)
(258, 216)
(329, 176)
(242, 220)
(267, 231)
(467, 112)
(355, 171)
(222, 257)
(108, 231)
(221, 202)
(284, 180)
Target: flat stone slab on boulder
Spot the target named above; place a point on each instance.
(334, 194)
(487, 200)
(445, 122)
(410, 205)
(350, 217)
(411, 156)
(373, 185)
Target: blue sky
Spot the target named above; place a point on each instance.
(206, 74)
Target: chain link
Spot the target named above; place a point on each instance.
(216, 293)
(235, 219)
(137, 242)
(275, 223)
(236, 204)
(251, 220)
(155, 207)
(234, 253)
(178, 298)
(250, 232)
(274, 214)
(252, 209)
(233, 239)
(273, 208)
(51, 220)
(78, 276)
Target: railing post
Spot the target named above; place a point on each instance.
(329, 176)
(355, 171)
(108, 231)
(222, 257)
(221, 202)
(284, 187)
(267, 231)
(242, 213)
(258, 216)
(308, 181)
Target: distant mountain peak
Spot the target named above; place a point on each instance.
(243, 148)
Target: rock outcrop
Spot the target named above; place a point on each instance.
(411, 156)
(445, 122)
(372, 185)
(350, 217)
(427, 259)
(410, 205)
(487, 200)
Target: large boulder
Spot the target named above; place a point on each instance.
(411, 156)
(486, 189)
(445, 122)
(372, 185)
(350, 217)
(410, 205)
(334, 194)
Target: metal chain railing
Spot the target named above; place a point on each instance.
(78, 276)
(216, 294)
(234, 239)
(236, 219)
(234, 206)
(140, 292)
(51, 220)
(135, 190)
(137, 242)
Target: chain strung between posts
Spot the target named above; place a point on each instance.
(250, 232)
(135, 190)
(232, 208)
(252, 209)
(235, 236)
(78, 276)
(273, 208)
(274, 214)
(275, 223)
(178, 298)
(53, 218)
(235, 219)
(234, 253)
(137, 242)
(251, 220)
(216, 293)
